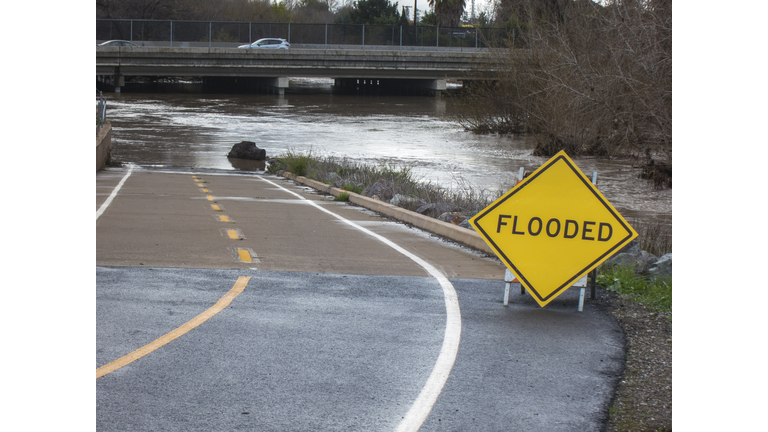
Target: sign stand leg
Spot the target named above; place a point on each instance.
(508, 278)
(581, 300)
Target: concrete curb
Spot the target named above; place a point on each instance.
(103, 145)
(444, 229)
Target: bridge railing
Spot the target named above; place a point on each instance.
(232, 34)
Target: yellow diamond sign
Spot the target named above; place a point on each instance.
(553, 228)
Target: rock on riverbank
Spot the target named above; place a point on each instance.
(247, 150)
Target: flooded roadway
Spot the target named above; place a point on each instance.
(193, 130)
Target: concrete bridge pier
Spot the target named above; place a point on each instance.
(111, 82)
(278, 83)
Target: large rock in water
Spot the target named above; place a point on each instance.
(247, 150)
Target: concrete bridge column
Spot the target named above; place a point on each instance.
(280, 83)
(119, 81)
(111, 82)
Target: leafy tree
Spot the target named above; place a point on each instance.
(375, 12)
(344, 15)
(448, 12)
(313, 11)
(483, 20)
(245, 10)
(428, 19)
(279, 12)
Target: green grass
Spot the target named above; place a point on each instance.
(655, 293)
(353, 188)
(344, 196)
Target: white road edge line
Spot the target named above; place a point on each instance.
(431, 390)
(114, 192)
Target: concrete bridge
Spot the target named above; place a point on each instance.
(248, 69)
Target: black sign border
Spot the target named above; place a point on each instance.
(589, 266)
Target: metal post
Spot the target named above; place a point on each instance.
(131, 31)
(249, 33)
(475, 37)
(508, 278)
(171, 33)
(401, 38)
(363, 34)
(437, 39)
(209, 34)
(593, 273)
(581, 300)
(289, 32)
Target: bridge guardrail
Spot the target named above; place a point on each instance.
(215, 33)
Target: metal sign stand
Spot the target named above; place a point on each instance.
(509, 277)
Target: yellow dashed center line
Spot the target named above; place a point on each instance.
(244, 255)
(233, 234)
(210, 197)
(224, 218)
(200, 185)
(215, 207)
(223, 302)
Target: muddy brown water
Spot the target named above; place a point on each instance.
(195, 130)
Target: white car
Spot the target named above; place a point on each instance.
(268, 43)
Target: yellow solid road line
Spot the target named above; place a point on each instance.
(233, 234)
(244, 255)
(223, 302)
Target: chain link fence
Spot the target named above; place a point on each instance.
(233, 34)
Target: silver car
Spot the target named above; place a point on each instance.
(120, 43)
(268, 43)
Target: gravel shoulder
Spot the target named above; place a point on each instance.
(643, 400)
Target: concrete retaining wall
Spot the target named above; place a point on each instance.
(443, 229)
(103, 146)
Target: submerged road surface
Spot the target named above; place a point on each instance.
(243, 302)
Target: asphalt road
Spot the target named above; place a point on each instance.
(335, 330)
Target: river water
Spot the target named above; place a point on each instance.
(195, 130)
